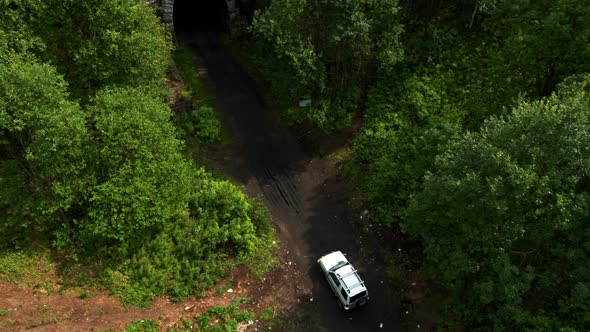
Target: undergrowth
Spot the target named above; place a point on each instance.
(30, 267)
(185, 259)
(220, 319)
(215, 319)
(200, 120)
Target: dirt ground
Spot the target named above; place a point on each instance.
(35, 309)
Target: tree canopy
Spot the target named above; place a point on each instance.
(90, 160)
(474, 138)
(504, 218)
(324, 50)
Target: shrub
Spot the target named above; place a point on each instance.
(206, 125)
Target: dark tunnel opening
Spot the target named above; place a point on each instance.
(200, 15)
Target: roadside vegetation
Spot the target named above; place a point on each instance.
(215, 319)
(474, 138)
(92, 170)
(194, 112)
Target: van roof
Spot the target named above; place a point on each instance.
(350, 280)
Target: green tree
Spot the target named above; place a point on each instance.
(408, 119)
(16, 25)
(504, 218)
(106, 42)
(329, 48)
(105, 180)
(464, 62)
(45, 142)
(544, 41)
(143, 180)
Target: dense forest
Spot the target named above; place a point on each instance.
(92, 163)
(473, 139)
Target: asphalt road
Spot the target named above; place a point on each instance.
(311, 220)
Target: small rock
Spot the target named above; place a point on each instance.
(381, 325)
(311, 300)
(188, 307)
(230, 290)
(289, 263)
(413, 284)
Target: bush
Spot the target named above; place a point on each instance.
(226, 318)
(206, 124)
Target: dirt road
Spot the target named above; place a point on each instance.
(308, 202)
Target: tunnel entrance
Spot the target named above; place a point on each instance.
(201, 15)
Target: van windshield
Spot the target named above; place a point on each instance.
(339, 265)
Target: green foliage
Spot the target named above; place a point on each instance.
(84, 294)
(544, 40)
(408, 118)
(146, 180)
(4, 312)
(323, 51)
(16, 17)
(202, 121)
(269, 318)
(104, 181)
(188, 253)
(497, 50)
(263, 260)
(107, 42)
(223, 319)
(25, 266)
(504, 216)
(225, 215)
(462, 65)
(188, 67)
(44, 133)
(207, 125)
(143, 325)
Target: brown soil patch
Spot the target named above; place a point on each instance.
(36, 309)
